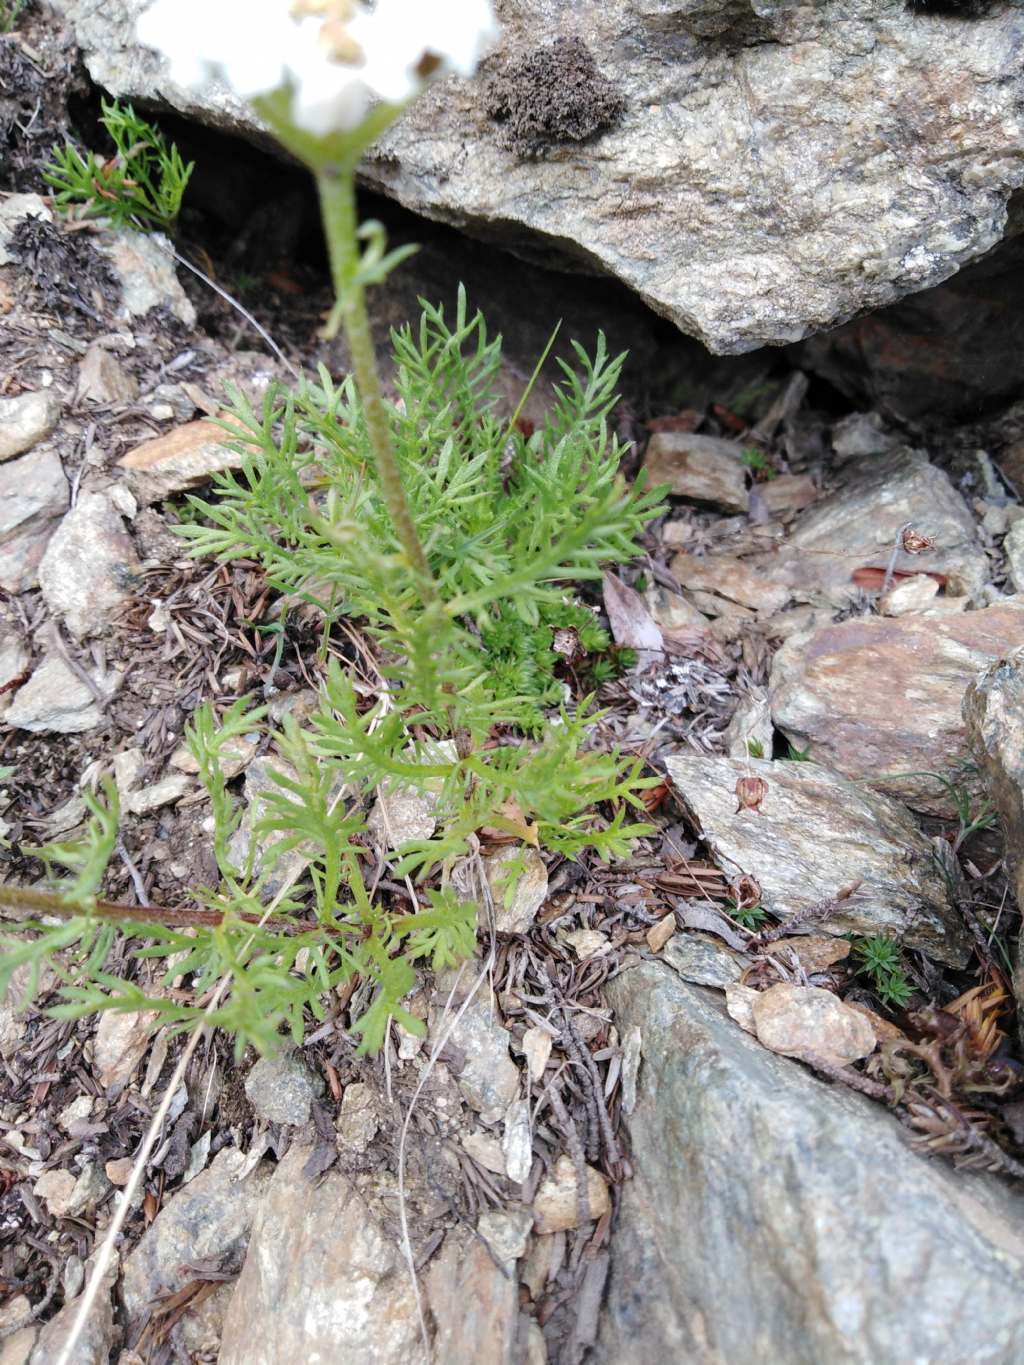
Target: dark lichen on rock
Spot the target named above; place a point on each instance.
(553, 95)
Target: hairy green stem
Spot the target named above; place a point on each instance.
(337, 189)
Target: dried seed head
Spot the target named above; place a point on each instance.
(745, 890)
(750, 792)
(914, 543)
(565, 640)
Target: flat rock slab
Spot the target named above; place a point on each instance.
(773, 1217)
(183, 459)
(210, 1217)
(701, 468)
(857, 526)
(323, 1279)
(879, 699)
(844, 543)
(815, 833)
(749, 196)
(55, 700)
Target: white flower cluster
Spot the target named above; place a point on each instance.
(337, 57)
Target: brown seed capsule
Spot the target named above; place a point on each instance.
(750, 792)
(746, 892)
(914, 543)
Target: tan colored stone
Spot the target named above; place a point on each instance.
(734, 579)
(486, 1151)
(185, 458)
(702, 468)
(56, 1189)
(537, 1045)
(588, 943)
(671, 611)
(803, 1021)
(555, 1206)
(879, 700)
(473, 1302)
(324, 1278)
(16, 1348)
(814, 952)
(909, 595)
(788, 493)
(120, 1044)
(234, 755)
(885, 1031)
(659, 934)
(119, 1171)
(739, 1001)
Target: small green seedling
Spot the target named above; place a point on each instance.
(749, 916)
(880, 957)
(759, 464)
(795, 755)
(969, 821)
(755, 748)
(140, 186)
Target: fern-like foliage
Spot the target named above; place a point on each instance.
(510, 522)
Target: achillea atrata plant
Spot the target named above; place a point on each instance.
(453, 538)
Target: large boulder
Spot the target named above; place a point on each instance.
(774, 1217)
(756, 170)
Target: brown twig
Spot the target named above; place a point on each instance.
(579, 1161)
(819, 911)
(20, 898)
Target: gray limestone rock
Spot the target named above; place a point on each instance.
(488, 1077)
(144, 265)
(103, 379)
(33, 493)
(26, 420)
(1013, 547)
(774, 170)
(87, 569)
(55, 700)
(282, 1088)
(773, 1217)
(209, 1218)
(814, 834)
(98, 1338)
(843, 544)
